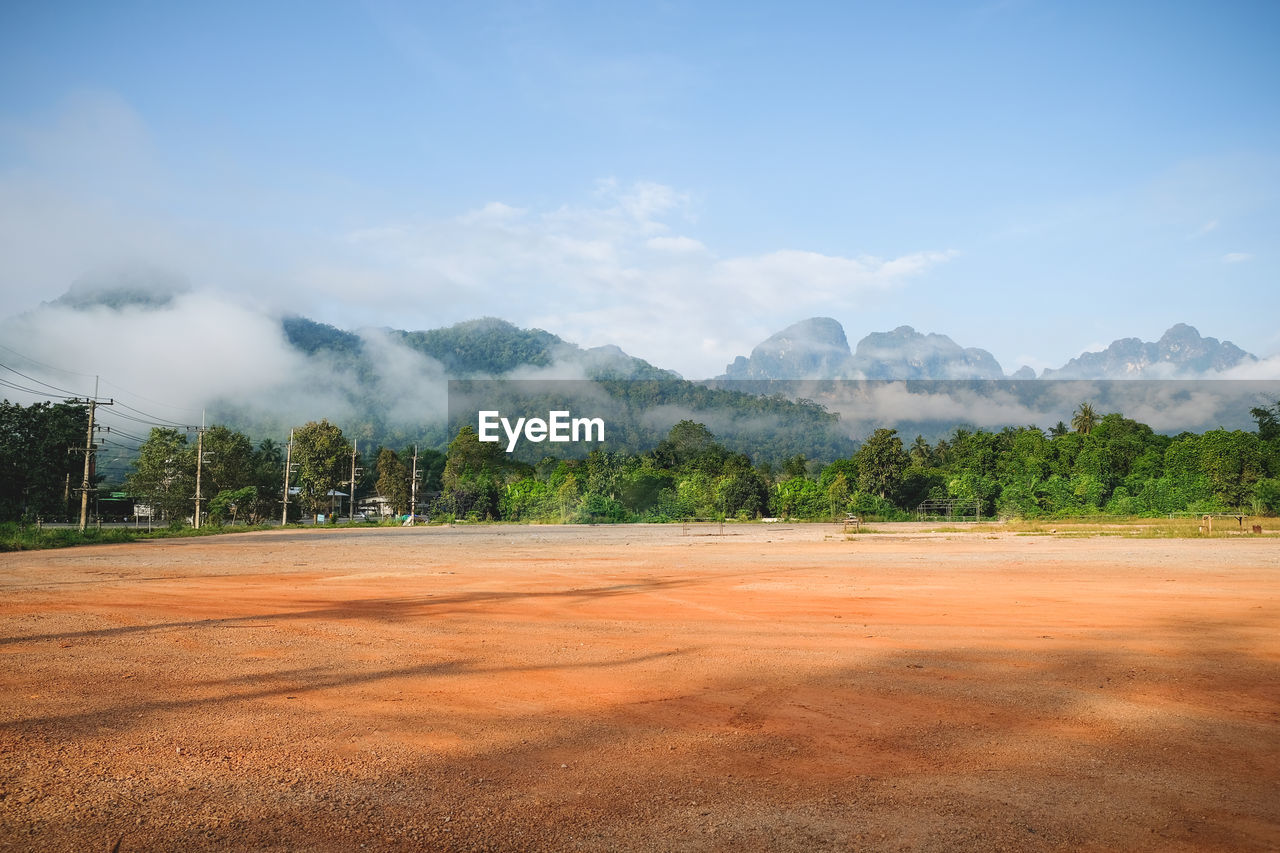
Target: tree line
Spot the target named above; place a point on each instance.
(244, 482)
(1099, 464)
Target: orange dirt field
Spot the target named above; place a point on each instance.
(777, 687)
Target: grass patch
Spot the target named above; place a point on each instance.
(16, 537)
(1145, 528)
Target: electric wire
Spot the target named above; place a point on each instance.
(7, 384)
(155, 419)
(40, 382)
(42, 364)
(113, 431)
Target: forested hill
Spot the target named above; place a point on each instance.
(390, 387)
(487, 347)
(311, 337)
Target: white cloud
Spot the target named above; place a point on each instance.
(205, 347)
(621, 267)
(675, 244)
(617, 272)
(644, 200)
(1263, 368)
(494, 212)
(199, 347)
(1207, 228)
(1236, 257)
(810, 278)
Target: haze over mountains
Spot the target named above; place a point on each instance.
(817, 348)
(141, 322)
(184, 356)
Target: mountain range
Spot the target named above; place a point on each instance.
(814, 348)
(199, 354)
(817, 348)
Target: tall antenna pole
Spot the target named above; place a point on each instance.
(288, 458)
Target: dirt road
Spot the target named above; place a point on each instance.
(637, 688)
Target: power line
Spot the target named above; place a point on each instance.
(42, 364)
(112, 431)
(41, 382)
(147, 422)
(155, 418)
(41, 392)
(147, 399)
(37, 391)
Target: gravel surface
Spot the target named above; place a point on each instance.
(648, 688)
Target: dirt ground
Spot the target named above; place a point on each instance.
(777, 687)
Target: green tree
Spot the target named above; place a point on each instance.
(1233, 463)
(921, 454)
(529, 499)
(696, 491)
(37, 472)
(473, 478)
(268, 474)
(838, 495)
(1084, 419)
(688, 446)
(393, 481)
(232, 504)
(743, 492)
(323, 456)
(568, 495)
(468, 458)
(164, 474)
(795, 466)
(800, 497)
(1268, 418)
(881, 463)
(1266, 496)
(642, 485)
(229, 462)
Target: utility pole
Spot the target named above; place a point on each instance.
(89, 448)
(199, 465)
(288, 457)
(413, 488)
(355, 443)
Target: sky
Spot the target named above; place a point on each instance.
(680, 179)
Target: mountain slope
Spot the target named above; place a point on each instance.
(1180, 353)
(905, 353)
(811, 349)
(818, 349)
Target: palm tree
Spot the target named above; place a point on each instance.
(942, 452)
(1085, 419)
(920, 451)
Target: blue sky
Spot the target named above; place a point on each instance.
(682, 179)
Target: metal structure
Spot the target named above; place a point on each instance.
(952, 509)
